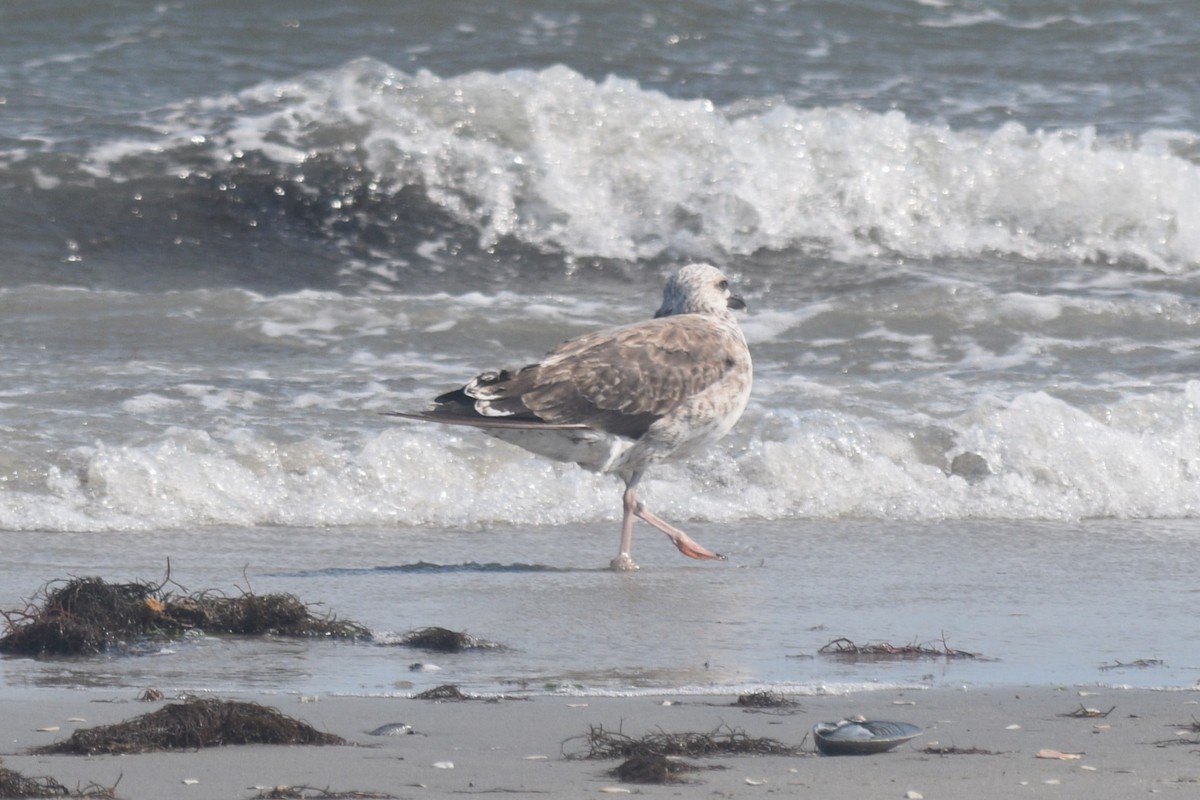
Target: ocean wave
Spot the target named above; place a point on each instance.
(1034, 457)
(556, 161)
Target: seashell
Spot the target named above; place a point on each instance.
(392, 729)
(846, 738)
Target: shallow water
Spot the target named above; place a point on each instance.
(1040, 603)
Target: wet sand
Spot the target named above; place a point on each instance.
(514, 747)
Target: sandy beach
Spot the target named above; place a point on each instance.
(515, 747)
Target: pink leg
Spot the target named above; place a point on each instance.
(634, 507)
(686, 545)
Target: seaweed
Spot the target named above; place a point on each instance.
(1140, 663)
(1088, 713)
(599, 743)
(313, 793)
(447, 691)
(951, 750)
(82, 617)
(845, 648)
(765, 698)
(652, 769)
(86, 616)
(190, 725)
(13, 784)
(443, 640)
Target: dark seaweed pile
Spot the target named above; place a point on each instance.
(85, 616)
(190, 725)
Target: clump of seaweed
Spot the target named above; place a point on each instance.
(600, 742)
(652, 769)
(312, 793)
(190, 725)
(443, 640)
(1140, 663)
(1088, 713)
(13, 784)
(81, 617)
(845, 648)
(447, 691)
(85, 616)
(765, 698)
(951, 750)
(255, 615)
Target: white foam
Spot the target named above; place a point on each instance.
(1138, 457)
(145, 403)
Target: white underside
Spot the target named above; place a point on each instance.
(592, 450)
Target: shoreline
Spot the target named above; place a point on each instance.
(516, 746)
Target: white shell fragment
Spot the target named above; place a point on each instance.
(1058, 755)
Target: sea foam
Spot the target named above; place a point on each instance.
(1037, 457)
(609, 169)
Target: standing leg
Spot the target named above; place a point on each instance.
(623, 562)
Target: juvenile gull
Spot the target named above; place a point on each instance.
(620, 399)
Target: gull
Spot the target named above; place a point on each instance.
(622, 399)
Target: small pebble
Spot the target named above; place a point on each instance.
(755, 781)
(615, 790)
(190, 781)
(1013, 727)
(443, 764)
(911, 795)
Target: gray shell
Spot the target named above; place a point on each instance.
(847, 738)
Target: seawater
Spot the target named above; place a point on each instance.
(1068, 604)
(968, 232)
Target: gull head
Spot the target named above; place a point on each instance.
(698, 289)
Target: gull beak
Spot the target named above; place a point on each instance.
(736, 302)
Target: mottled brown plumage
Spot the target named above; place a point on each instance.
(620, 399)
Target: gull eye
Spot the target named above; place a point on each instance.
(723, 285)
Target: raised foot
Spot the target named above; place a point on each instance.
(623, 563)
(698, 551)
